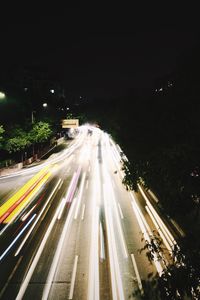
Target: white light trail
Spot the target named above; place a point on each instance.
(145, 230)
(37, 257)
(102, 244)
(93, 281)
(83, 212)
(162, 226)
(69, 194)
(120, 211)
(10, 277)
(71, 292)
(116, 280)
(57, 254)
(80, 195)
(37, 219)
(25, 216)
(137, 273)
(17, 237)
(158, 228)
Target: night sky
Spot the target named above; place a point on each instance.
(98, 49)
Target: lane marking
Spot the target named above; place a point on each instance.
(83, 212)
(71, 292)
(10, 277)
(29, 274)
(57, 254)
(137, 273)
(120, 211)
(102, 244)
(37, 219)
(80, 195)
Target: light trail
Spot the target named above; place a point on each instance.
(33, 265)
(116, 280)
(17, 237)
(145, 230)
(93, 281)
(137, 273)
(20, 198)
(10, 277)
(120, 211)
(161, 224)
(25, 216)
(71, 292)
(37, 219)
(158, 228)
(59, 248)
(83, 212)
(102, 244)
(80, 195)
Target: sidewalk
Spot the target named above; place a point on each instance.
(62, 144)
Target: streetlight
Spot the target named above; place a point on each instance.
(33, 111)
(2, 95)
(32, 116)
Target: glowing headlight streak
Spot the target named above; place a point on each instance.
(161, 224)
(14, 206)
(145, 230)
(111, 193)
(17, 237)
(29, 274)
(57, 254)
(37, 219)
(116, 280)
(70, 192)
(12, 216)
(71, 292)
(102, 244)
(158, 228)
(25, 216)
(93, 283)
(80, 195)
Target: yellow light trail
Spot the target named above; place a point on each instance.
(19, 200)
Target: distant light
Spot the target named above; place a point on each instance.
(25, 89)
(2, 95)
(44, 104)
(52, 91)
(160, 89)
(80, 97)
(67, 108)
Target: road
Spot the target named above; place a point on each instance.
(71, 230)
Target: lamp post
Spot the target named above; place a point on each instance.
(32, 116)
(33, 111)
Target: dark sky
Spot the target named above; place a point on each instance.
(98, 47)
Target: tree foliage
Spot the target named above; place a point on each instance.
(1, 135)
(180, 279)
(17, 141)
(40, 132)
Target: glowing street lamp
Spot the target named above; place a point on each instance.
(2, 95)
(45, 104)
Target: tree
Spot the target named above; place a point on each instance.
(180, 279)
(1, 135)
(40, 132)
(18, 141)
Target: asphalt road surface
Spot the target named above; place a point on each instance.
(69, 229)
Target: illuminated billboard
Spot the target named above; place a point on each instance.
(70, 123)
